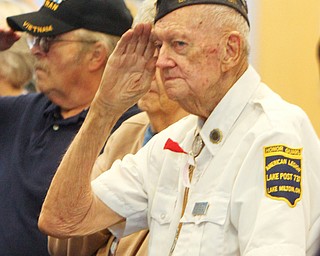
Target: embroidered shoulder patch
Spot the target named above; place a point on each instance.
(283, 173)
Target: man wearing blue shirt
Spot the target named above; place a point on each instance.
(71, 42)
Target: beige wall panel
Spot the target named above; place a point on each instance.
(287, 33)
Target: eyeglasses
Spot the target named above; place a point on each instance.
(45, 42)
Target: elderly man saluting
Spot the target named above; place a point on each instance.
(238, 177)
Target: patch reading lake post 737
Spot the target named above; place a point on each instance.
(283, 173)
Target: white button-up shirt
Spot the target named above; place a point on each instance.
(258, 177)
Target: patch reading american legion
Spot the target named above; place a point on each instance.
(283, 173)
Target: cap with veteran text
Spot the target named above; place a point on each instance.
(59, 16)
(166, 6)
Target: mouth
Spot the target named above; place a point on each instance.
(169, 78)
(39, 66)
(152, 91)
(39, 72)
(38, 69)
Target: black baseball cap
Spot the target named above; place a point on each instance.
(166, 6)
(60, 16)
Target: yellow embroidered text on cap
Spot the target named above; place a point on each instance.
(36, 29)
(52, 4)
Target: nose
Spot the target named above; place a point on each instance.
(34, 46)
(165, 58)
(36, 50)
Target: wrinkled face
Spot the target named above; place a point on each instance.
(59, 70)
(188, 57)
(156, 100)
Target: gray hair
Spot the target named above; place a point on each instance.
(146, 12)
(110, 41)
(222, 17)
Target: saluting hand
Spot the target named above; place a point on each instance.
(130, 69)
(7, 38)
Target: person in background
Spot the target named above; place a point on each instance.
(16, 70)
(71, 42)
(16, 73)
(159, 113)
(238, 176)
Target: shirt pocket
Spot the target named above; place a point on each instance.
(162, 215)
(163, 207)
(204, 232)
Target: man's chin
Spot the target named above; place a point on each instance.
(172, 94)
(42, 88)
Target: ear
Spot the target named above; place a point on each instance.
(232, 51)
(98, 57)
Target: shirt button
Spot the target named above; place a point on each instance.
(163, 216)
(55, 127)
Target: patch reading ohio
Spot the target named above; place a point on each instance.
(283, 173)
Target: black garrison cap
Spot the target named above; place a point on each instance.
(166, 6)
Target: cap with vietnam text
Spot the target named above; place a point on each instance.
(166, 6)
(60, 16)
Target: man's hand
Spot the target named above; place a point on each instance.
(7, 38)
(130, 69)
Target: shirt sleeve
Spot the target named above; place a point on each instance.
(123, 189)
(270, 206)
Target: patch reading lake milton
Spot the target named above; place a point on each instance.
(283, 173)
